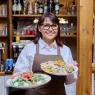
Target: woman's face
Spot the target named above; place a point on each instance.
(48, 29)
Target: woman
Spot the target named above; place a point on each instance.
(47, 46)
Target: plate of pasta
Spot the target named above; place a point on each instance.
(58, 67)
(25, 81)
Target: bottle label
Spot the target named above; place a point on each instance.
(19, 7)
(35, 10)
(56, 7)
(17, 38)
(40, 10)
(14, 7)
(45, 9)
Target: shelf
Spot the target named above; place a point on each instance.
(29, 36)
(26, 36)
(2, 73)
(3, 16)
(60, 15)
(68, 36)
(3, 35)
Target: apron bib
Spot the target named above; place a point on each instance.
(56, 85)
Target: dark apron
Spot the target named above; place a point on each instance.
(56, 85)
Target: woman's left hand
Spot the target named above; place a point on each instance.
(75, 63)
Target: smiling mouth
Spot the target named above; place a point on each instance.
(50, 35)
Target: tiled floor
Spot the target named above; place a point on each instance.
(71, 89)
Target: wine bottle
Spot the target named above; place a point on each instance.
(19, 7)
(30, 8)
(51, 6)
(41, 11)
(35, 7)
(14, 7)
(45, 7)
(57, 7)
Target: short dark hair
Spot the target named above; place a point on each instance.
(55, 20)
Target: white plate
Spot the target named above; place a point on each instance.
(47, 78)
(61, 74)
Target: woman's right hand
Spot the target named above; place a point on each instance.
(15, 75)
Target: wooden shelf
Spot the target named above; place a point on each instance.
(3, 35)
(68, 36)
(25, 36)
(2, 73)
(60, 15)
(3, 16)
(29, 36)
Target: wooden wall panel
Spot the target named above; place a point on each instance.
(85, 47)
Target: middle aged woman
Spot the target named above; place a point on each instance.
(47, 46)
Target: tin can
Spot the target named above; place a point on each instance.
(9, 64)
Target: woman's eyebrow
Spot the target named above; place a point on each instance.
(48, 23)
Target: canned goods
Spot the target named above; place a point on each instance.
(9, 64)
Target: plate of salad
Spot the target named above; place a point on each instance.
(24, 81)
(59, 68)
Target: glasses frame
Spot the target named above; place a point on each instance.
(49, 27)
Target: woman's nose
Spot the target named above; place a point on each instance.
(50, 28)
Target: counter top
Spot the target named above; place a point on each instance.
(2, 73)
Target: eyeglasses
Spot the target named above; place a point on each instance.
(47, 26)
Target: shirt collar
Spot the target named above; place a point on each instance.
(43, 44)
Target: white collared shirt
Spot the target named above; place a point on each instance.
(23, 64)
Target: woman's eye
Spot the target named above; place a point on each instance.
(54, 25)
(46, 25)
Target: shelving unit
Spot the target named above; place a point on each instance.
(3, 36)
(32, 36)
(60, 15)
(3, 24)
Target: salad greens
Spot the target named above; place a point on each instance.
(35, 80)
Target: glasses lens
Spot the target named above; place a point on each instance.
(54, 26)
(47, 26)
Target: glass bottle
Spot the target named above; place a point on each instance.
(73, 8)
(40, 7)
(51, 6)
(30, 8)
(35, 7)
(45, 7)
(24, 7)
(17, 37)
(72, 29)
(57, 7)
(14, 7)
(19, 7)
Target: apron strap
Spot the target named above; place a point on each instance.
(58, 50)
(37, 49)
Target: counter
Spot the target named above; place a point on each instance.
(2, 73)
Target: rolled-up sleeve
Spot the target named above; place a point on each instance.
(23, 63)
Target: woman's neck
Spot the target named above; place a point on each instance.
(49, 42)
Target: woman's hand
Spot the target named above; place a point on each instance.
(75, 63)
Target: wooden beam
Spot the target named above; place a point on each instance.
(85, 47)
(10, 27)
